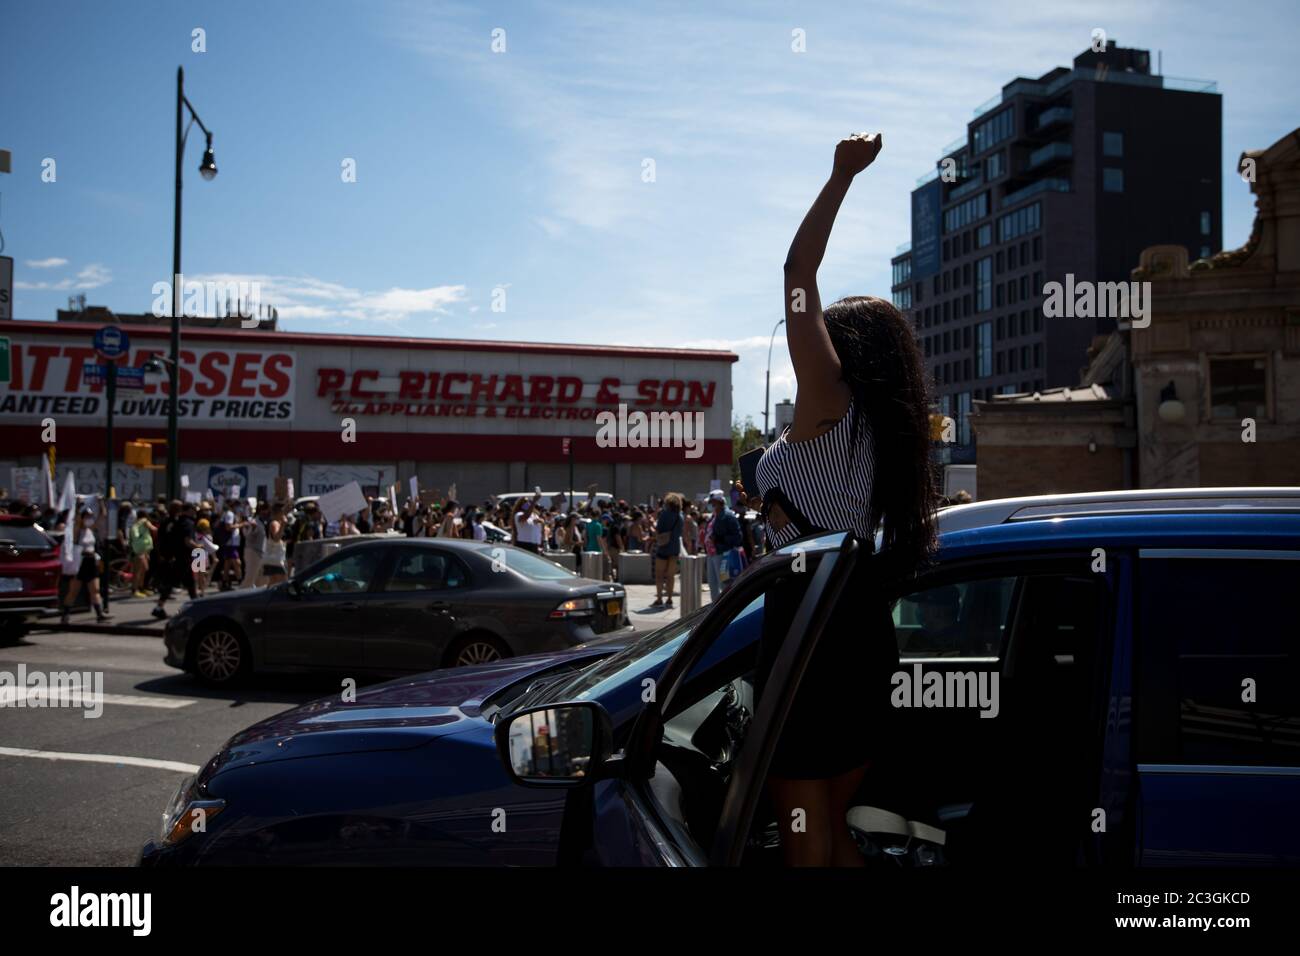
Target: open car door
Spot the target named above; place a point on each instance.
(636, 809)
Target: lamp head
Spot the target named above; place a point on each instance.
(208, 167)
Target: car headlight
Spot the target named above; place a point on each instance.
(186, 815)
(575, 607)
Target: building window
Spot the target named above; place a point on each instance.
(984, 284)
(1000, 363)
(995, 165)
(1112, 144)
(985, 235)
(1112, 180)
(965, 213)
(993, 131)
(1024, 358)
(1019, 223)
(1239, 388)
(1205, 223)
(963, 418)
(1011, 258)
(1038, 248)
(984, 349)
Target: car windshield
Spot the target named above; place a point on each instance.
(532, 566)
(661, 643)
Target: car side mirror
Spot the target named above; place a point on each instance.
(559, 745)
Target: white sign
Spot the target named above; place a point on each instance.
(347, 500)
(229, 480)
(318, 479)
(128, 481)
(415, 491)
(27, 484)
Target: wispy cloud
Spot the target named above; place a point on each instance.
(305, 297)
(50, 263)
(92, 276)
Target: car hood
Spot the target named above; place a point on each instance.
(394, 715)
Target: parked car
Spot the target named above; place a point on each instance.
(1124, 637)
(394, 605)
(29, 575)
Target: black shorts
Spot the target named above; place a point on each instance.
(841, 716)
(269, 569)
(89, 569)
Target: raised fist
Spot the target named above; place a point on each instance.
(856, 153)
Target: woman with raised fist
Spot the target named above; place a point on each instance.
(856, 458)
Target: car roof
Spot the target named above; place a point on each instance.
(1135, 502)
(1277, 533)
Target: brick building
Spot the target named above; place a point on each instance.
(1207, 395)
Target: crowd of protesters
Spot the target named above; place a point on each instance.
(165, 546)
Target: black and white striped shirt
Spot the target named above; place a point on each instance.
(828, 478)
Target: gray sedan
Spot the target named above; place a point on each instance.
(396, 606)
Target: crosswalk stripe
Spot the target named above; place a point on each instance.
(9, 697)
(101, 758)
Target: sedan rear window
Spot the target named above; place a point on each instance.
(532, 566)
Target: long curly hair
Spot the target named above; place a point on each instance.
(882, 365)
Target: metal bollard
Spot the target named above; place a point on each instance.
(692, 581)
(593, 565)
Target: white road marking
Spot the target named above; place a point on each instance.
(9, 696)
(101, 758)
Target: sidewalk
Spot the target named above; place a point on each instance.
(131, 615)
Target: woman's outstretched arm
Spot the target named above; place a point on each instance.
(822, 395)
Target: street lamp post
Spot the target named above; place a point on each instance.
(767, 386)
(207, 169)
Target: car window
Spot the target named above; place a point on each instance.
(1235, 664)
(530, 565)
(422, 569)
(960, 619)
(24, 537)
(351, 573)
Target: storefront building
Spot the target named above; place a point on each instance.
(324, 410)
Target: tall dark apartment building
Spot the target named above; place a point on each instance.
(1075, 172)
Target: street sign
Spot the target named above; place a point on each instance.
(112, 343)
(130, 377)
(6, 287)
(93, 374)
(4, 361)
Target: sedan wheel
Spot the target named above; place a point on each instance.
(219, 656)
(477, 652)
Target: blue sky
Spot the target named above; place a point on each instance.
(523, 170)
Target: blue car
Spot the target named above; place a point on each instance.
(1101, 680)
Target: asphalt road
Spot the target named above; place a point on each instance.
(89, 791)
(77, 801)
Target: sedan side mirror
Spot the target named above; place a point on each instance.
(560, 745)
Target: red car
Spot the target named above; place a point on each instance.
(29, 575)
